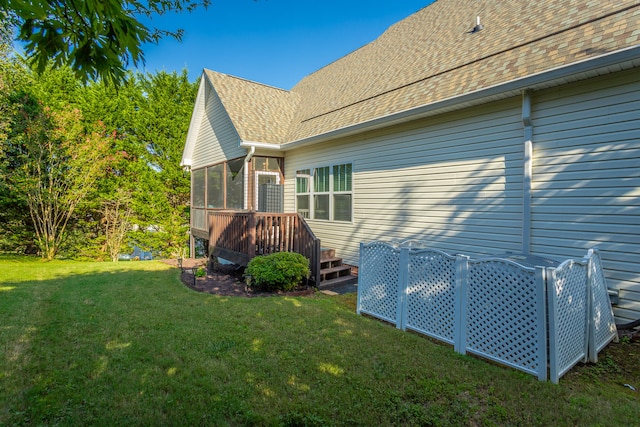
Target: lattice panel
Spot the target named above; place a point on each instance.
(505, 309)
(568, 316)
(378, 280)
(431, 293)
(603, 322)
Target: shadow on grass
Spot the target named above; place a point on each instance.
(130, 344)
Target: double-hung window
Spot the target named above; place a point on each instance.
(342, 192)
(325, 192)
(303, 193)
(321, 193)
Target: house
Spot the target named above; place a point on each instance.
(479, 126)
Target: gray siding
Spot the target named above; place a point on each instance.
(586, 177)
(217, 140)
(453, 180)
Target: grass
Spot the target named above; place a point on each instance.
(128, 344)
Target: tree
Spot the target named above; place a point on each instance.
(105, 220)
(161, 125)
(16, 232)
(117, 214)
(96, 38)
(56, 161)
(8, 73)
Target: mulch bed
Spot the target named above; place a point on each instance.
(225, 280)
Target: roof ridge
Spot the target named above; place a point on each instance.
(247, 80)
(537, 39)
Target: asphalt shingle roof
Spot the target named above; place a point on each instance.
(259, 112)
(430, 56)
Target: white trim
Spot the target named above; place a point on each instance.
(194, 125)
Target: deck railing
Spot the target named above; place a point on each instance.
(240, 236)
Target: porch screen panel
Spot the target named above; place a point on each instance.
(270, 164)
(235, 184)
(197, 188)
(321, 185)
(215, 185)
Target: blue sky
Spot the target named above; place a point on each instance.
(275, 42)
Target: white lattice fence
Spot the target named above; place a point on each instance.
(504, 310)
(432, 294)
(568, 304)
(493, 307)
(602, 329)
(379, 281)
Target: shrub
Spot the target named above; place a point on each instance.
(200, 272)
(281, 271)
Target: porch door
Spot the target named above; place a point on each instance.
(264, 180)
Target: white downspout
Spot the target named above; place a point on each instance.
(250, 154)
(247, 159)
(527, 171)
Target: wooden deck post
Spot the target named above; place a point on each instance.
(251, 250)
(315, 261)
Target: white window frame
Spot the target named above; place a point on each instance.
(331, 193)
(301, 173)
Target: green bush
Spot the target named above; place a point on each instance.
(281, 271)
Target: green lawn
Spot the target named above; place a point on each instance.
(128, 344)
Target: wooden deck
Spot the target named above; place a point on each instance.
(240, 236)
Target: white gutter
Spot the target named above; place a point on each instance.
(631, 55)
(247, 159)
(254, 145)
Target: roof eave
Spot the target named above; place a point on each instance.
(629, 56)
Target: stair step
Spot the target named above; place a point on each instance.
(336, 269)
(331, 259)
(338, 281)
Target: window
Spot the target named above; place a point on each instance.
(342, 192)
(302, 192)
(321, 193)
(328, 189)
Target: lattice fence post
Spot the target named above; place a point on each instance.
(462, 283)
(403, 284)
(543, 330)
(359, 294)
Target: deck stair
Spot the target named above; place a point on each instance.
(333, 273)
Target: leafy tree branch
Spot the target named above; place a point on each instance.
(98, 39)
